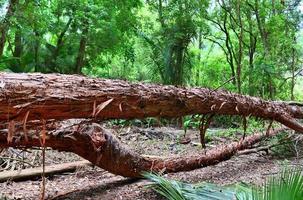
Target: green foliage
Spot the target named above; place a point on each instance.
(170, 189)
(286, 147)
(174, 190)
(234, 125)
(287, 186)
(51, 33)
(191, 122)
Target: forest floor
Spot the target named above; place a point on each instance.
(95, 183)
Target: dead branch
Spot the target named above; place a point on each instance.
(267, 147)
(36, 172)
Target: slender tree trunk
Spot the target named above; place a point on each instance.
(60, 42)
(264, 35)
(251, 53)
(293, 75)
(240, 50)
(160, 13)
(229, 50)
(178, 65)
(82, 46)
(199, 57)
(17, 52)
(18, 44)
(270, 88)
(2, 41)
(36, 50)
(200, 45)
(262, 31)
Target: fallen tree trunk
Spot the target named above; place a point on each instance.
(103, 149)
(37, 172)
(51, 96)
(35, 99)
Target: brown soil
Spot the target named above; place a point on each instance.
(95, 183)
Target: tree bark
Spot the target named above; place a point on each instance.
(103, 149)
(37, 101)
(53, 96)
(82, 46)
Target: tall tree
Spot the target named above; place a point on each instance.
(269, 36)
(178, 22)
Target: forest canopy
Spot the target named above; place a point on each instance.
(248, 46)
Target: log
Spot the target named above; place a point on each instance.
(53, 96)
(103, 149)
(30, 173)
(37, 101)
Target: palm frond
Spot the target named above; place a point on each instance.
(174, 190)
(170, 189)
(287, 186)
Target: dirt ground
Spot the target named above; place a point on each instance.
(94, 183)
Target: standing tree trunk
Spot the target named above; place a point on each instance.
(36, 50)
(240, 50)
(60, 43)
(229, 47)
(293, 75)
(18, 44)
(82, 46)
(251, 52)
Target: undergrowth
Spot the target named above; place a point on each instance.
(288, 185)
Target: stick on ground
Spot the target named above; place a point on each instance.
(36, 172)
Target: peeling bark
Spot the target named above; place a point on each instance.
(31, 104)
(52, 96)
(103, 149)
